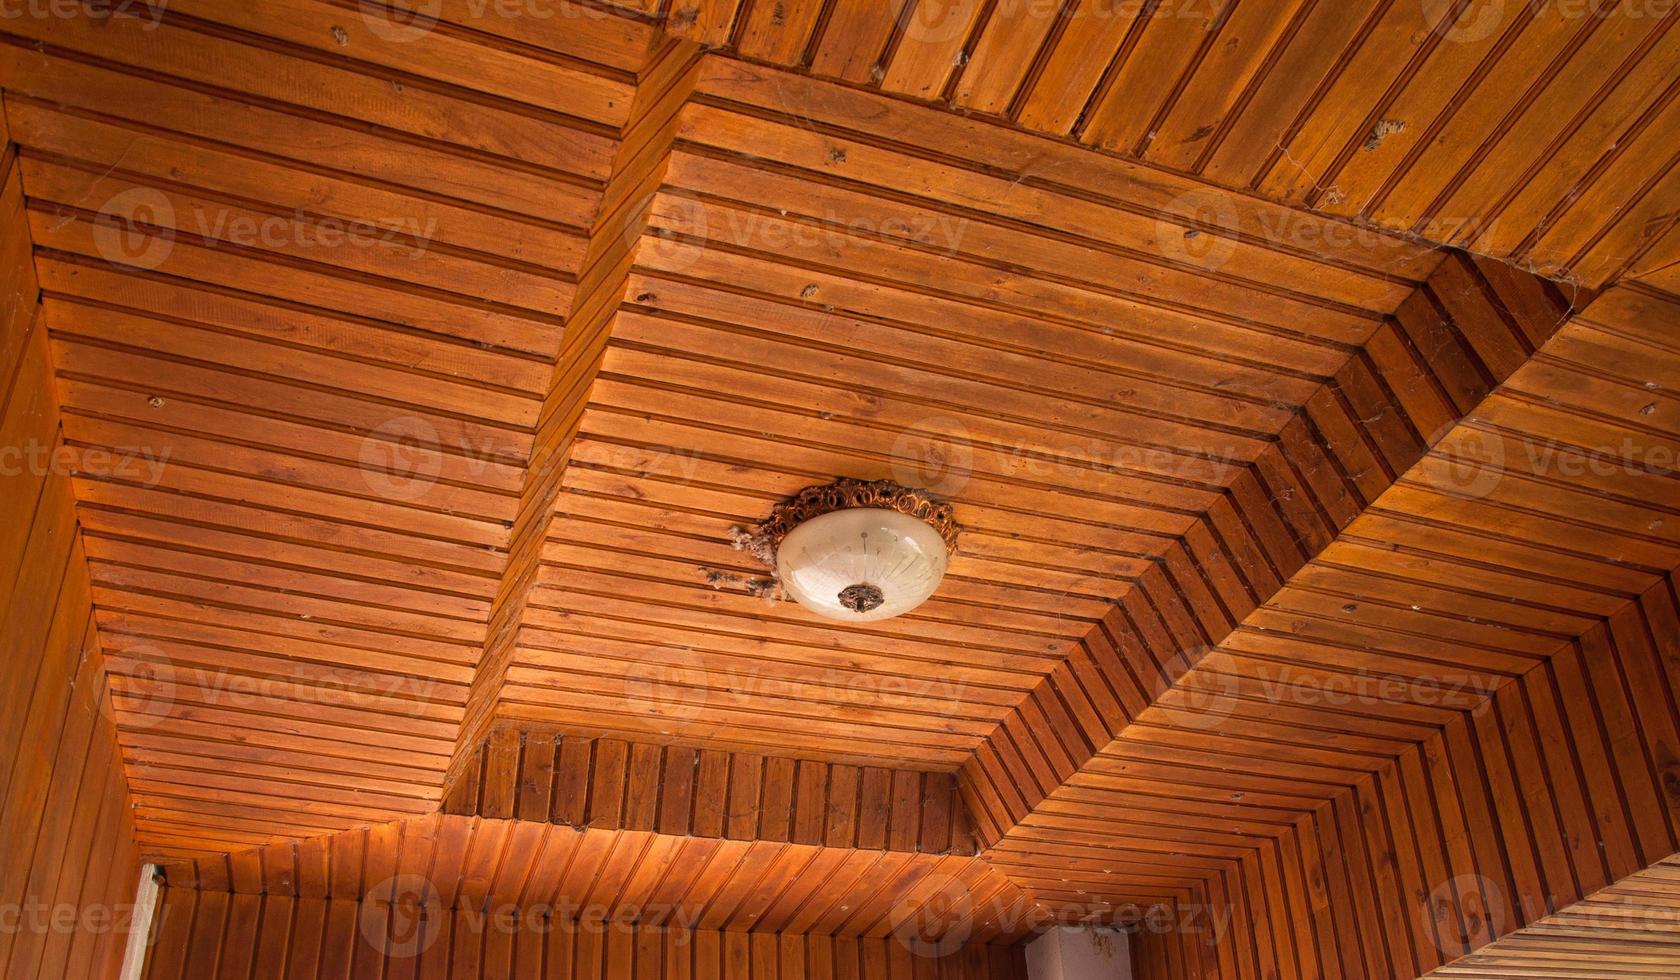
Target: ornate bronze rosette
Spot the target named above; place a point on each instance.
(844, 494)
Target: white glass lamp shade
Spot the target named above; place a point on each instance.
(861, 564)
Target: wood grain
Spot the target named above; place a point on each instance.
(1295, 509)
(1023, 343)
(304, 288)
(215, 934)
(1301, 374)
(1528, 132)
(748, 881)
(1625, 928)
(68, 861)
(611, 784)
(626, 201)
(1504, 743)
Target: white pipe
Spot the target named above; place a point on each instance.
(140, 924)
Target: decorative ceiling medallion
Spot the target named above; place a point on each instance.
(857, 551)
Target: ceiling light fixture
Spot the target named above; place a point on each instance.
(857, 551)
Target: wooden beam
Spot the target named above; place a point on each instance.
(199, 930)
(726, 857)
(608, 783)
(67, 854)
(638, 170)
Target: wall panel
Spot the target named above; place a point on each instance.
(68, 864)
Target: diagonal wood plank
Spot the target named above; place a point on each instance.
(1082, 354)
(1457, 720)
(1529, 132)
(638, 170)
(1378, 417)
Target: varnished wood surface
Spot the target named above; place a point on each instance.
(1219, 448)
(1529, 131)
(214, 935)
(1512, 812)
(348, 513)
(68, 860)
(639, 166)
(615, 785)
(1373, 837)
(667, 837)
(1314, 492)
(598, 830)
(744, 882)
(294, 603)
(1626, 930)
(798, 317)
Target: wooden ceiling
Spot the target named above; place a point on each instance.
(1531, 131)
(416, 372)
(773, 340)
(306, 577)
